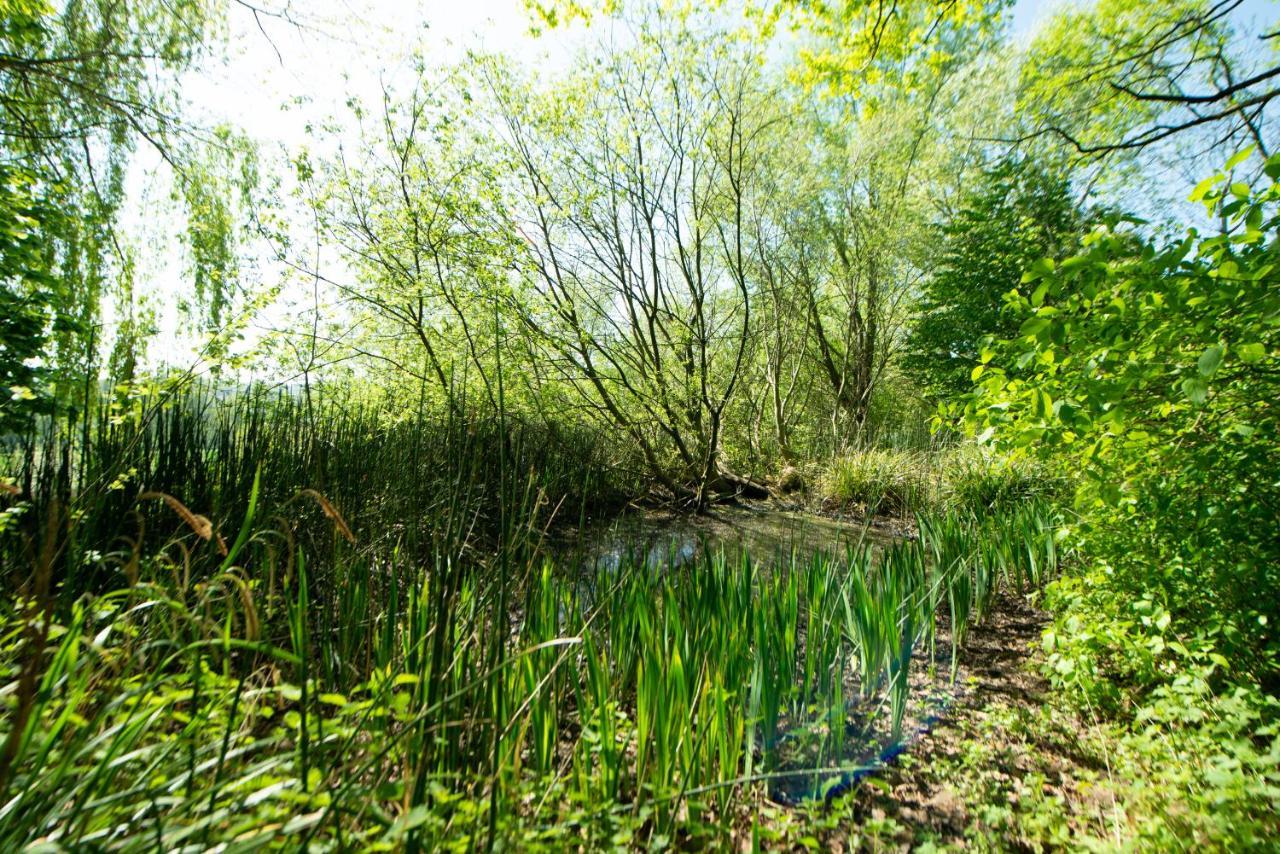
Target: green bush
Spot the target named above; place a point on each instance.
(1151, 370)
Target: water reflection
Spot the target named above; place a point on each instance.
(656, 540)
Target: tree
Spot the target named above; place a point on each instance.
(1119, 76)
(870, 217)
(892, 90)
(863, 244)
(81, 85)
(779, 423)
(636, 189)
(413, 210)
(1015, 213)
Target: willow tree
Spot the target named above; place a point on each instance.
(83, 85)
(637, 180)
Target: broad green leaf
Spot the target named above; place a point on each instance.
(1209, 361)
(1196, 390)
(1239, 157)
(1202, 189)
(1043, 267)
(1034, 326)
(1251, 352)
(1272, 167)
(1037, 296)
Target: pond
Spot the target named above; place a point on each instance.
(762, 529)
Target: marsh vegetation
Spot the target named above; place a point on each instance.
(266, 667)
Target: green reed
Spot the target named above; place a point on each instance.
(395, 664)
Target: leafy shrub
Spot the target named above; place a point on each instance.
(1152, 371)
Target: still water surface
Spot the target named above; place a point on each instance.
(763, 530)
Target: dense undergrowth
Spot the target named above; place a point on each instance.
(1148, 369)
(397, 479)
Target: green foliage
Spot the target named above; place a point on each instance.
(1015, 213)
(24, 299)
(855, 45)
(1151, 370)
(1042, 778)
(417, 214)
(1219, 751)
(82, 85)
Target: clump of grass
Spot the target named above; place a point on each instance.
(881, 481)
(976, 480)
(964, 479)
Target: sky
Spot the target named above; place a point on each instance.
(352, 46)
(345, 47)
